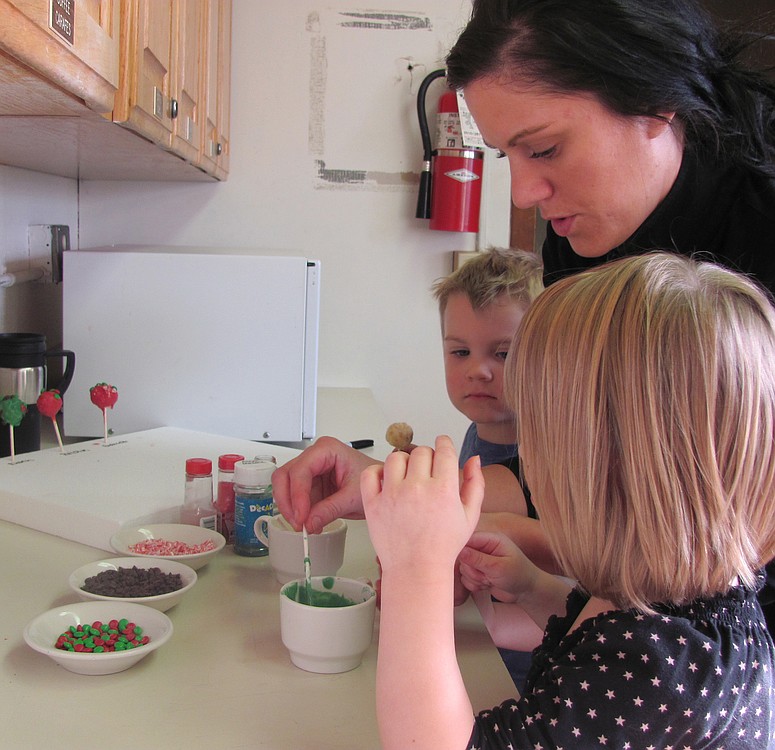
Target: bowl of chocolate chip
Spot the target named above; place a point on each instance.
(156, 583)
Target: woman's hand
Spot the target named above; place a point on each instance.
(321, 484)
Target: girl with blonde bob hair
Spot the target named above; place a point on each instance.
(645, 400)
(646, 411)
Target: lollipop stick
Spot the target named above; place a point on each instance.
(59, 436)
(13, 448)
(307, 564)
(105, 424)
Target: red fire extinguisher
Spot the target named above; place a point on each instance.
(451, 180)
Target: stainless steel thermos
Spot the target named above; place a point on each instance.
(23, 373)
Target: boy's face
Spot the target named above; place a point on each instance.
(476, 343)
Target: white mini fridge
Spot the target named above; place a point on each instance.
(223, 341)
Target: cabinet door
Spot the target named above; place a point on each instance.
(189, 61)
(74, 43)
(143, 102)
(217, 88)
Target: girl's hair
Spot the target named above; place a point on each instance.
(515, 273)
(645, 400)
(638, 58)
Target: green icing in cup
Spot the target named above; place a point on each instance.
(318, 598)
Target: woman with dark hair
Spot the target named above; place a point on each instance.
(630, 125)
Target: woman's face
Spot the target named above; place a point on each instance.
(594, 175)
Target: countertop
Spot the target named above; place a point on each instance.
(224, 680)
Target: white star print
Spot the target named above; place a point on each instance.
(579, 695)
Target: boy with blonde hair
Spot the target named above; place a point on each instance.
(481, 305)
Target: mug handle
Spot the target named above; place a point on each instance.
(259, 530)
(67, 376)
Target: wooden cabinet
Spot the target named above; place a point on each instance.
(162, 63)
(35, 32)
(159, 69)
(217, 88)
(144, 96)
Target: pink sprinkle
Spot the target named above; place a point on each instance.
(165, 547)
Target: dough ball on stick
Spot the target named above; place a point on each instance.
(400, 436)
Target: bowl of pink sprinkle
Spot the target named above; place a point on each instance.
(192, 545)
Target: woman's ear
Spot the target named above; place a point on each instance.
(659, 123)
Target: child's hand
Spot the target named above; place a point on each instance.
(417, 510)
(493, 562)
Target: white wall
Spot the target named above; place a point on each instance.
(291, 104)
(31, 198)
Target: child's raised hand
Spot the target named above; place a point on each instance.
(491, 561)
(418, 511)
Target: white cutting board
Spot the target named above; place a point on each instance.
(93, 489)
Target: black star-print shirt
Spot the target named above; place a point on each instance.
(692, 677)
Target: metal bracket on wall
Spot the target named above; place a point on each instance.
(50, 241)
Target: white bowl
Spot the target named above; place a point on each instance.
(42, 632)
(162, 602)
(177, 532)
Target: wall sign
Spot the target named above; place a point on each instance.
(62, 19)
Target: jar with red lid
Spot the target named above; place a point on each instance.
(198, 508)
(224, 500)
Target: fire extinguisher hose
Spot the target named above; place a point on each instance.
(424, 196)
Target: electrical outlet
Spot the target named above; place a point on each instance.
(49, 241)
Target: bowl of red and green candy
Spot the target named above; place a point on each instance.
(100, 637)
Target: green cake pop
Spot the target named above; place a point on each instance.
(12, 410)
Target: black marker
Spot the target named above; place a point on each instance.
(358, 444)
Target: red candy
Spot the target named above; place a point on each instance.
(103, 395)
(49, 403)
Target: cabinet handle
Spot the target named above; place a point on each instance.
(218, 149)
(173, 108)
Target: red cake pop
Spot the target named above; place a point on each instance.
(105, 396)
(49, 405)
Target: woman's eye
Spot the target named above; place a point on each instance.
(543, 154)
(502, 355)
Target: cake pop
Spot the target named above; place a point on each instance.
(12, 411)
(49, 405)
(104, 396)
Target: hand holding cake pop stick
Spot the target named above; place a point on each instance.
(104, 396)
(400, 436)
(49, 405)
(12, 411)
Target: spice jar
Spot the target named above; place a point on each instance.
(197, 508)
(224, 501)
(252, 498)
